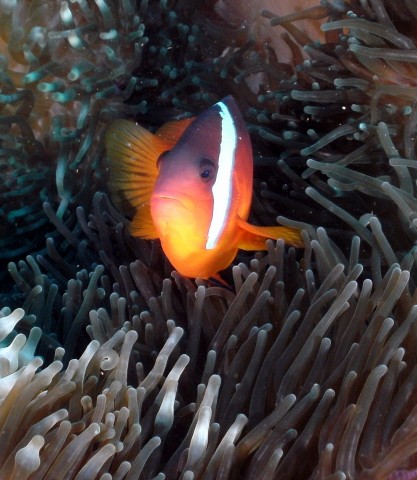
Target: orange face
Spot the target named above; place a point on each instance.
(204, 182)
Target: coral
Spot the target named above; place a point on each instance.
(114, 366)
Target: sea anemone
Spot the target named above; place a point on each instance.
(306, 357)
(115, 366)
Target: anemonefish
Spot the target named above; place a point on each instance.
(190, 185)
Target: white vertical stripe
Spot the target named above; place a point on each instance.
(223, 186)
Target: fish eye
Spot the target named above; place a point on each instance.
(207, 169)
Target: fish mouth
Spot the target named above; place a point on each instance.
(167, 197)
(184, 201)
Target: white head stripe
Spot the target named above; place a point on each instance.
(222, 187)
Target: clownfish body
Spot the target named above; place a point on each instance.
(190, 185)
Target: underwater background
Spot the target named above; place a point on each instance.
(113, 366)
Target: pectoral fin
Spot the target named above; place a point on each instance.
(132, 153)
(253, 237)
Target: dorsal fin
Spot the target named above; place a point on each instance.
(170, 132)
(132, 153)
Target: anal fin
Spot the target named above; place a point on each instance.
(253, 237)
